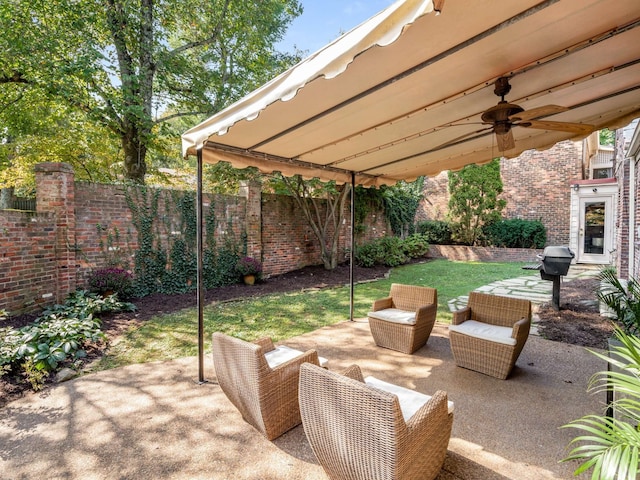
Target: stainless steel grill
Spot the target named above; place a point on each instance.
(554, 263)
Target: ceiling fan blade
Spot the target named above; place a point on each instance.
(538, 112)
(505, 141)
(577, 128)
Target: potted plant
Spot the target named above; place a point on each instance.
(107, 281)
(250, 269)
(611, 443)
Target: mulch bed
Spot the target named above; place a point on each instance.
(577, 322)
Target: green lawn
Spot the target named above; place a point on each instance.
(288, 315)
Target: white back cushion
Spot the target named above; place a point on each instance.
(410, 400)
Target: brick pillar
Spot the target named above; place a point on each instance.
(55, 193)
(254, 219)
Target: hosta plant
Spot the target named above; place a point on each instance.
(610, 446)
(59, 335)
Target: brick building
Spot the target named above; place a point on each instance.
(554, 186)
(628, 220)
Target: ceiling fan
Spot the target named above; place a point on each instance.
(504, 116)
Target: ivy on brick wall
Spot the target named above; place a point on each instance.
(399, 204)
(166, 258)
(115, 249)
(367, 201)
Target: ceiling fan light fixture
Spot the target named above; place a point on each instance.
(501, 128)
(501, 112)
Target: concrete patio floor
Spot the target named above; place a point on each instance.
(152, 421)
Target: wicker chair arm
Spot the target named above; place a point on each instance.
(353, 372)
(461, 315)
(382, 303)
(431, 415)
(266, 343)
(426, 313)
(521, 330)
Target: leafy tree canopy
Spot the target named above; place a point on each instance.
(401, 202)
(607, 137)
(474, 200)
(136, 70)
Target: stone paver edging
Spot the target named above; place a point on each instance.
(530, 287)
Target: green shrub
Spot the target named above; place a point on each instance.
(516, 233)
(436, 232)
(415, 246)
(368, 254)
(393, 252)
(474, 201)
(34, 375)
(389, 251)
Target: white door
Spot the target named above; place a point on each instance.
(595, 241)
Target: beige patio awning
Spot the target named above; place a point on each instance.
(402, 94)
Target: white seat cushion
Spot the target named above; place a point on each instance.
(395, 315)
(410, 400)
(283, 354)
(485, 331)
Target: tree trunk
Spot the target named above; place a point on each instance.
(321, 226)
(135, 153)
(6, 197)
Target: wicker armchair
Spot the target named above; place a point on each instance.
(488, 335)
(361, 432)
(266, 397)
(403, 321)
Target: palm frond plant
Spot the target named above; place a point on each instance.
(623, 298)
(610, 445)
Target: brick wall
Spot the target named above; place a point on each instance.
(102, 213)
(288, 242)
(462, 253)
(56, 194)
(436, 198)
(105, 229)
(81, 226)
(535, 184)
(28, 265)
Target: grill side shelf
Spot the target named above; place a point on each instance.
(532, 266)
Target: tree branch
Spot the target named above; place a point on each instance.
(114, 117)
(117, 24)
(205, 41)
(12, 102)
(180, 114)
(14, 77)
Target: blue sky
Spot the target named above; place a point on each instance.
(324, 20)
